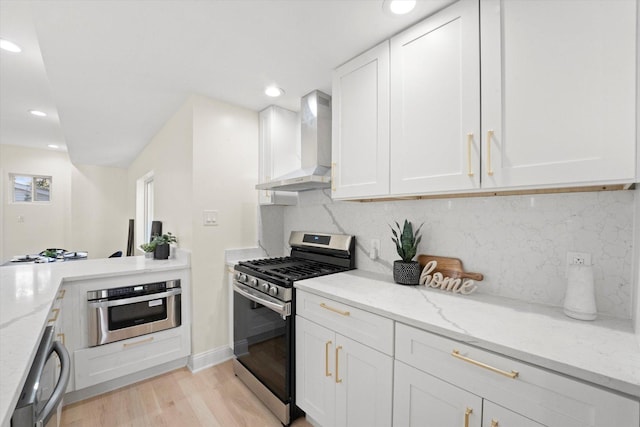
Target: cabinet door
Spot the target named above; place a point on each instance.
(279, 152)
(558, 92)
(360, 148)
(421, 400)
(496, 416)
(364, 385)
(315, 375)
(435, 101)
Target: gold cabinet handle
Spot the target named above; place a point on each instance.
(333, 179)
(467, 414)
(326, 359)
(56, 312)
(513, 374)
(61, 338)
(338, 379)
(335, 310)
(469, 143)
(489, 138)
(267, 193)
(132, 344)
(494, 423)
(61, 293)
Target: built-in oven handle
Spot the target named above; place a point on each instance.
(133, 300)
(42, 417)
(282, 308)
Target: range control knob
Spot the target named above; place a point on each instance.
(273, 291)
(242, 278)
(265, 287)
(238, 276)
(254, 282)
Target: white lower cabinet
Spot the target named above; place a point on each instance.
(96, 365)
(340, 381)
(422, 400)
(438, 370)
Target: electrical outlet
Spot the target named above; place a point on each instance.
(578, 258)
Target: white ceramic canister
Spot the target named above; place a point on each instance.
(580, 299)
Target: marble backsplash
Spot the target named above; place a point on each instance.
(519, 243)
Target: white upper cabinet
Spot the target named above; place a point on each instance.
(279, 152)
(435, 101)
(360, 148)
(558, 92)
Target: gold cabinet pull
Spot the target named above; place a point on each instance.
(335, 310)
(326, 359)
(132, 344)
(513, 374)
(469, 143)
(494, 423)
(61, 293)
(467, 415)
(61, 338)
(56, 312)
(489, 138)
(267, 193)
(333, 180)
(338, 379)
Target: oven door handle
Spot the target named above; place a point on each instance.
(133, 300)
(282, 308)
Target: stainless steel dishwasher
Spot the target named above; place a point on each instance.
(42, 392)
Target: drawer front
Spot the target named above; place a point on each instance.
(96, 365)
(367, 328)
(536, 393)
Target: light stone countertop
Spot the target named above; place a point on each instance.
(233, 256)
(27, 293)
(604, 352)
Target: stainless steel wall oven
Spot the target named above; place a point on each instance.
(119, 313)
(264, 314)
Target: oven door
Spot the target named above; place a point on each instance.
(262, 335)
(119, 319)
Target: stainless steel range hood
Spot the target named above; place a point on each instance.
(315, 114)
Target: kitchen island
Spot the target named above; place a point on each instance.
(27, 293)
(604, 352)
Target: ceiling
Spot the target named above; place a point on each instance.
(110, 73)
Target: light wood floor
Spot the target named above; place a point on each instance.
(212, 397)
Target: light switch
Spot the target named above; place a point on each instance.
(210, 218)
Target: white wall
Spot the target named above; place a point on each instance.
(204, 158)
(44, 225)
(225, 171)
(99, 222)
(636, 255)
(169, 156)
(87, 210)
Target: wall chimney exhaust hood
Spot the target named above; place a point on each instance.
(315, 150)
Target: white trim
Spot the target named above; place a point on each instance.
(209, 358)
(140, 205)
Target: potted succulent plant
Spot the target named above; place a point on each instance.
(148, 248)
(406, 271)
(161, 243)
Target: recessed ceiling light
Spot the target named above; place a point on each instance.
(38, 113)
(52, 146)
(398, 7)
(9, 46)
(273, 91)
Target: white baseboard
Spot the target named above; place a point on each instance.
(198, 362)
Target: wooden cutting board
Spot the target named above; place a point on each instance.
(449, 267)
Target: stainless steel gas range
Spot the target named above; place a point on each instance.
(264, 314)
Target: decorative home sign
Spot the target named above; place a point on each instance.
(437, 280)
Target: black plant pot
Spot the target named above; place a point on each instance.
(406, 273)
(161, 252)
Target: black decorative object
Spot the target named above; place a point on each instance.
(161, 251)
(406, 273)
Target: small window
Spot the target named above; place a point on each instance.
(29, 188)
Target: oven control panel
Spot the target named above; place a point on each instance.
(274, 290)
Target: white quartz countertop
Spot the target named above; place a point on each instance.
(604, 352)
(27, 293)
